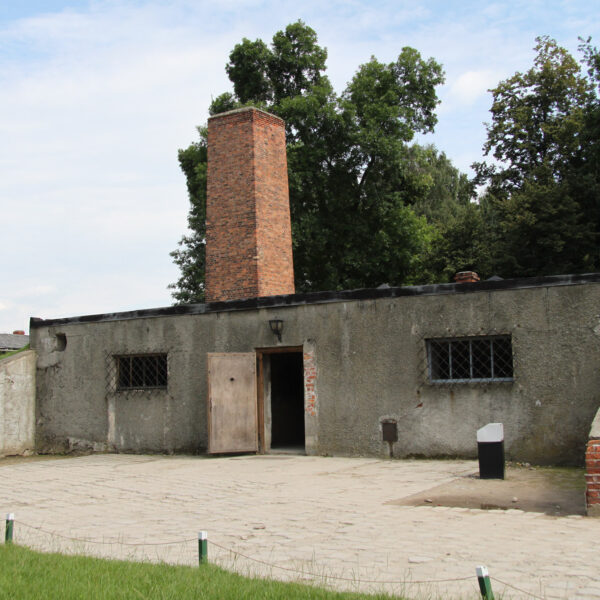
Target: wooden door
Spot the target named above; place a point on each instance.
(232, 420)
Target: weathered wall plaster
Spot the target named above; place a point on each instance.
(17, 403)
(367, 359)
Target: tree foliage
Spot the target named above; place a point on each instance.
(190, 257)
(446, 188)
(355, 183)
(537, 118)
(543, 185)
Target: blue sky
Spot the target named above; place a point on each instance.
(97, 96)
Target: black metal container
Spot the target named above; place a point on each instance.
(490, 450)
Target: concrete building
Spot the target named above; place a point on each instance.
(384, 372)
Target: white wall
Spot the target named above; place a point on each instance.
(17, 403)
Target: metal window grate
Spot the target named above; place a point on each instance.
(470, 359)
(141, 372)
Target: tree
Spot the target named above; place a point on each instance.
(585, 173)
(353, 187)
(447, 188)
(539, 122)
(542, 232)
(461, 237)
(462, 243)
(190, 257)
(537, 117)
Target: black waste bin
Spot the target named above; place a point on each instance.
(490, 450)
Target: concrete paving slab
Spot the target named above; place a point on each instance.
(335, 521)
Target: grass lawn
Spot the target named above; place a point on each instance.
(25, 574)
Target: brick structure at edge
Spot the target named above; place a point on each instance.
(592, 477)
(248, 229)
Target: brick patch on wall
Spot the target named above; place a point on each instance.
(592, 477)
(310, 383)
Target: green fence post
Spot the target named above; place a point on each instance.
(202, 547)
(8, 532)
(485, 586)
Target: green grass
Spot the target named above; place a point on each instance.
(25, 574)
(7, 354)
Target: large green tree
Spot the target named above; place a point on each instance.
(190, 256)
(355, 182)
(585, 171)
(543, 221)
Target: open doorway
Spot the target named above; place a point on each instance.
(287, 401)
(282, 374)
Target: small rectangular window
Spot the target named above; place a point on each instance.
(486, 358)
(141, 371)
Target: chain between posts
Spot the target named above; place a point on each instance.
(202, 538)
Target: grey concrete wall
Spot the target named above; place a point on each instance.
(17, 403)
(377, 351)
(370, 364)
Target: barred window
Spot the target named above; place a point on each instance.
(470, 359)
(141, 371)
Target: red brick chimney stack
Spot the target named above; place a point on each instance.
(248, 229)
(466, 277)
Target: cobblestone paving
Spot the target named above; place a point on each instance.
(328, 520)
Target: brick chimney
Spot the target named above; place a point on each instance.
(466, 277)
(248, 229)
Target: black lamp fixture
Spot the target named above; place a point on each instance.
(276, 326)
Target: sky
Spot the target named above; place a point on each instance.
(97, 96)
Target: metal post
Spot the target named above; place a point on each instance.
(202, 547)
(8, 532)
(485, 586)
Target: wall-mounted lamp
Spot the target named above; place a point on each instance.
(276, 326)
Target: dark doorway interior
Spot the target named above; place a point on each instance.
(287, 400)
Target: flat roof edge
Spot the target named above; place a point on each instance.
(244, 109)
(308, 298)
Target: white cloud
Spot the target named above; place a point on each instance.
(472, 85)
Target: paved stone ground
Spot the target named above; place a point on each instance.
(337, 518)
